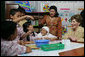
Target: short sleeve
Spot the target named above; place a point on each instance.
(20, 31)
(17, 49)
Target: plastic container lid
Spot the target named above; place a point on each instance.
(41, 42)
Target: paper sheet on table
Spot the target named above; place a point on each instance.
(41, 53)
(72, 46)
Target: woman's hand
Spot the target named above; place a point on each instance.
(72, 38)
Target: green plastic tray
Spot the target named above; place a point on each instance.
(50, 47)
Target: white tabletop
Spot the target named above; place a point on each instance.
(54, 52)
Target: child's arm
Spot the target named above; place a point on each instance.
(51, 39)
(22, 18)
(38, 39)
(18, 49)
(21, 42)
(26, 34)
(28, 49)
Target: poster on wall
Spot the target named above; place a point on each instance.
(25, 5)
(46, 8)
(66, 14)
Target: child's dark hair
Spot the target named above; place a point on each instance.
(25, 25)
(13, 11)
(55, 8)
(21, 9)
(7, 29)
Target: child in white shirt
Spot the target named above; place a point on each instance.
(44, 34)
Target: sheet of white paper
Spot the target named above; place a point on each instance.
(72, 46)
(41, 53)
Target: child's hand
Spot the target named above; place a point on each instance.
(29, 32)
(52, 39)
(28, 49)
(38, 39)
(46, 37)
(21, 42)
(29, 42)
(26, 34)
(32, 18)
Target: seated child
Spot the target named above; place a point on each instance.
(76, 33)
(27, 27)
(9, 47)
(44, 34)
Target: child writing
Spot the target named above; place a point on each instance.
(29, 27)
(44, 34)
(9, 47)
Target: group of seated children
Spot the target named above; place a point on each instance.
(14, 37)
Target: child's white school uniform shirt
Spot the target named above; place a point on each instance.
(31, 37)
(19, 30)
(11, 48)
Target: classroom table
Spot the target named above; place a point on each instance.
(74, 52)
(74, 49)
